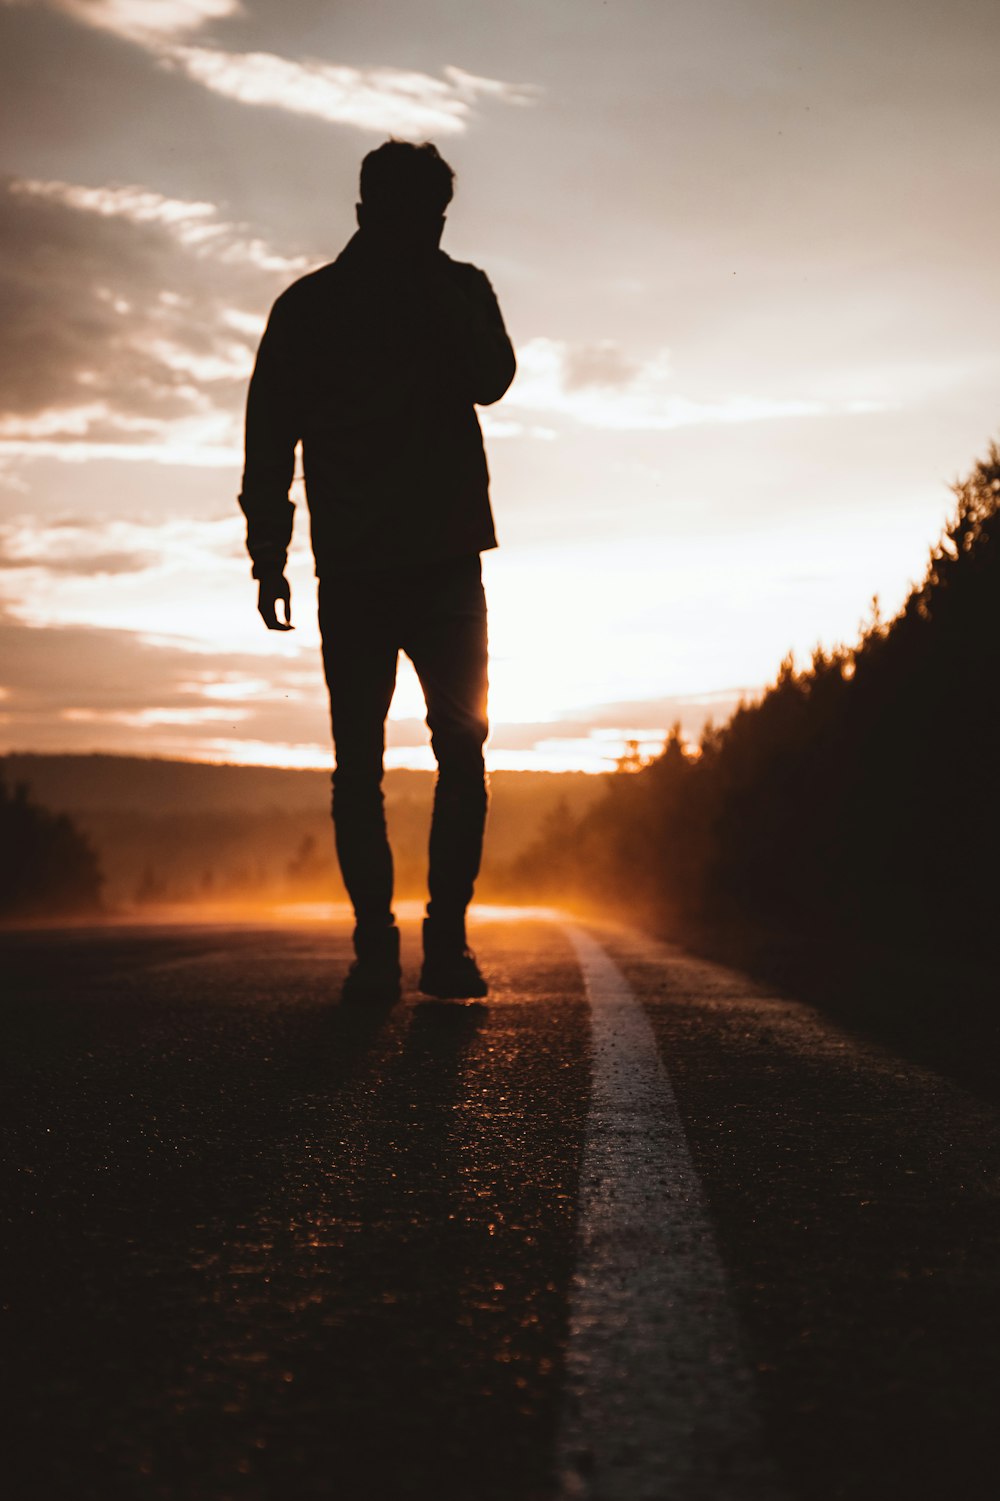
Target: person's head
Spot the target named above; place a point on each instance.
(405, 191)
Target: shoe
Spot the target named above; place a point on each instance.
(371, 983)
(375, 978)
(452, 976)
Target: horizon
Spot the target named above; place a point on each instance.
(754, 347)
(19, 753)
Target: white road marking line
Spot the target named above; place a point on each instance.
(659, 1401)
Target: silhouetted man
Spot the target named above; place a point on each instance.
(376, 364)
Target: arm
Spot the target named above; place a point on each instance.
(469, 318)
(271, 437)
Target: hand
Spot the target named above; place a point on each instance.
(274, 586)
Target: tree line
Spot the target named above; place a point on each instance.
(49, 866)
(858, 795)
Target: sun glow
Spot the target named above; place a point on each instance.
(727, 431)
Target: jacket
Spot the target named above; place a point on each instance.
(376, 366)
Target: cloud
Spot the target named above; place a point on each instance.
(148, 22)
(188, 586)
(193, 224)
(604, 365)
(399, 101)
(77, 687)
(373, 99)
(78, 545)
(67, 422)
(98, 565)
(131, 320)
(73, 546)
(179, 452)
(601, 386)
(172, 658)
(502, 427)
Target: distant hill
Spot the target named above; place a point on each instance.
(117, 783)
(182, 831)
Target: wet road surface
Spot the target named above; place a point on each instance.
(634, 1227)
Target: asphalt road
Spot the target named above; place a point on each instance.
(633, 1228)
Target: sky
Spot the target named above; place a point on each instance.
(745, 249)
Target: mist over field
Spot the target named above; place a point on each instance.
(168, 832)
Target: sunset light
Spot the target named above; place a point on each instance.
(728, 431)
(499, 731)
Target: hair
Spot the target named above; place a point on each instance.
(400, 177)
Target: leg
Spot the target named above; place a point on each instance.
(359, 657)
(447, 644)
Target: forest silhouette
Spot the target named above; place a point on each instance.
(856, 800)
(49, 865)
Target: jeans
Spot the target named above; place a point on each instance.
(436, 614)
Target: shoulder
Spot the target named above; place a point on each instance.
(472, 280)
(301, 299)
(465, 271)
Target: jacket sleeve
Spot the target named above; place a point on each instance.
(474, 327)
(271, 437)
